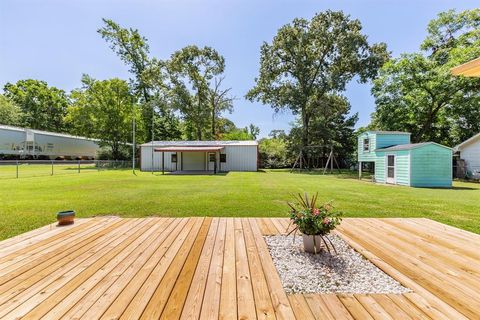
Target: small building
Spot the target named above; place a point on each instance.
(397, 161)
(199, 156)
(469, 154)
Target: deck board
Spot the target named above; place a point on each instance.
(220, 268)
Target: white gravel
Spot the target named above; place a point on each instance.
(345, 272)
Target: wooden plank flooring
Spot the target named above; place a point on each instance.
(220, 268)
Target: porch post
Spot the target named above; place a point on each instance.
(176, 162)
(215, 164)
(360, 170)
(181, 162)
(163, 162)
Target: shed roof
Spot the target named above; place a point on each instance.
(185, 143)
(188, 149)
(410, 146)
(388, 132)
(464, 143)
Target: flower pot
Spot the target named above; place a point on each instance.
(312, 244)
(65, 217)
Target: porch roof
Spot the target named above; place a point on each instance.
(189, 149)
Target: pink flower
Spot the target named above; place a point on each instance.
(326, 221)
(316, 211)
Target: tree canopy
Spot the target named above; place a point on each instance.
(42, 107)
(417, 93)
(308, 60)
(10, 113)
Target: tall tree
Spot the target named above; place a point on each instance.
(220, 101)
(417, 93)
(148, 80)
(192, 69)
(105, 110)
(307, 60)
(10, 113)
(43, 107)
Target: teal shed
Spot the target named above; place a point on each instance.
(397, 161)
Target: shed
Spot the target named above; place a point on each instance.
(469, 151)
(199, 156)
(397, 161)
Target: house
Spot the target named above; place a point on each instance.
(199, 156)
(397, 161)
(469, 152)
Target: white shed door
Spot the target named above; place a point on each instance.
(391, 168)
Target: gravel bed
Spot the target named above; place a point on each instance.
(345, 272)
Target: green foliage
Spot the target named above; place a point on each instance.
(191, 72)
(311, 219)
(309, 60)
(105, 110)
(273, 152)
(42, 107)
(417, 93)
(10, 113)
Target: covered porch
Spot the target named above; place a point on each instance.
(191, 159)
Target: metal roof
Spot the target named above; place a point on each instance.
(189, 149)
(192, 143)
(56, 134)
(388, 132)
(409, 146)
(472, 139)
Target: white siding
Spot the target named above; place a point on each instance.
(471, 154)
(239, 158)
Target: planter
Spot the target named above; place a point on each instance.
(65, 217)
(312, 244)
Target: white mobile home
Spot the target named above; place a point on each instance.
(198, 156)
(469, 151)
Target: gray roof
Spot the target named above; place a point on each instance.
(55, 134)
(470, 140)
(193, 143)
(409, 146)
(388, 132)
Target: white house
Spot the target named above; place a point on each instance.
(214, 156)
(470, 152)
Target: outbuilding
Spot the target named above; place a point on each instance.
(397, 161)
(199, 156)
(469, 154)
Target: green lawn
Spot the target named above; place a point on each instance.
(28, 203)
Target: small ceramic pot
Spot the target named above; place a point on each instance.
(65, 217)
(312, 244)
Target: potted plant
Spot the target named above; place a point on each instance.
(314, 222)
(65, 217)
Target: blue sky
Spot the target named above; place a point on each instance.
(56, 40)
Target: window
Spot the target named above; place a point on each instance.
(366, 144)
(223, 157)
(211, 157)
(174, 157)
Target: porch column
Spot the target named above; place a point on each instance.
(360, 170)
(163, 162)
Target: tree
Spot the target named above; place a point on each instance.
(308, 60)
(273, 151)
(220, 101)
(149, 80)
(105, 110)
(192, 69)
(43, 107)
(10, 113)
(417, 93)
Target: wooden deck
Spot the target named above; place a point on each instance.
(209, 268)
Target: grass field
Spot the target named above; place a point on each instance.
(29, 203)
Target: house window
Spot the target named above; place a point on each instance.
(174, 157)
(223, 157)
(211, 157)
(366, 145)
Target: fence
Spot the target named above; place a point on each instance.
(14, 169)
